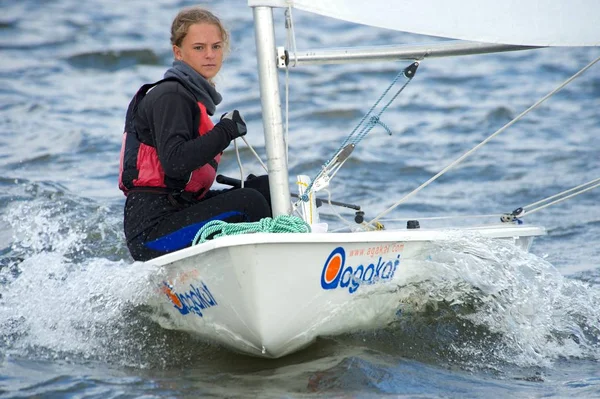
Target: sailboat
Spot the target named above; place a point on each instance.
(272, 294)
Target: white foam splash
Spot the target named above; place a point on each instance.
(63, 306)
(538, 314)
(55, 302)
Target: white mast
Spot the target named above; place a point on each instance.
(264, 33)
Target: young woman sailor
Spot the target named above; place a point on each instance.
(171, 148)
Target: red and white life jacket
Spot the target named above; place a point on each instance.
(140, 167)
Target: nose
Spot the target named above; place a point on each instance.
(210, 53)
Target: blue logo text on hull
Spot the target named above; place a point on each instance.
(337, 274)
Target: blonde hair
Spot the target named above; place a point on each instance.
(196, 15)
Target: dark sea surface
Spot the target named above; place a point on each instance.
(487, 320)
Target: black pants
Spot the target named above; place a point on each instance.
(155, 225)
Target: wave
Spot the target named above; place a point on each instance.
(112, 60)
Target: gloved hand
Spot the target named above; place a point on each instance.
(240, 129)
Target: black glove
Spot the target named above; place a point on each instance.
(240, 124)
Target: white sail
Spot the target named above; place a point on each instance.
(516, 22)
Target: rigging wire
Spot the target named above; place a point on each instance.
(291, 43)
(291, 35)
(494, 215)
(468, 153)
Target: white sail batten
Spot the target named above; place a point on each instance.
(516, 22)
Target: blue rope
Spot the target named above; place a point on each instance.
(347, 140)
(372, 121)
(375, 120)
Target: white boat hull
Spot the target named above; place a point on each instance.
(272, 294)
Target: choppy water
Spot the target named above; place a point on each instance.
(488, 321)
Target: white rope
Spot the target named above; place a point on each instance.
(255, 155)
(564, 192)
(468, 153)
(349, 224)
(561, 199)
(239, 161)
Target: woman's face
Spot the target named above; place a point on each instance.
(202, 49)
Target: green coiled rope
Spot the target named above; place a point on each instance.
(279, 224)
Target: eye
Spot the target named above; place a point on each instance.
(217, 46)
(198, 47)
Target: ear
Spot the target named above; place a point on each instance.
(177, 53)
